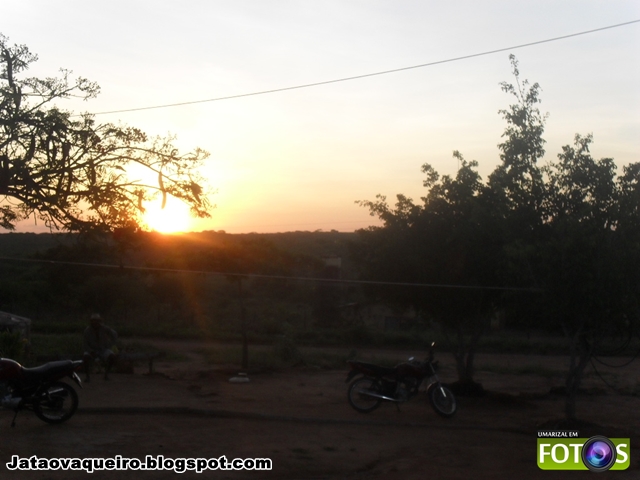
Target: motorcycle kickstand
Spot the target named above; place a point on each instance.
(398, 407)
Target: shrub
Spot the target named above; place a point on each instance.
(12, 345)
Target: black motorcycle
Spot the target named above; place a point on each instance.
(39, 389)
(398, 384)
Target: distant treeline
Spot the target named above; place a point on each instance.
(56, 289)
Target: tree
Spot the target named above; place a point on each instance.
(462, 233)
(571, 229)
(451, 240)
(588, 260)
(71, 172)
(515, 192)
(517, 184)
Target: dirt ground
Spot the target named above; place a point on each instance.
(301, 420)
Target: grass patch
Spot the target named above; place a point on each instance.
(58, 328)
(279, 357)
(13, 346)
(70, 345)
(366, 337)
(276, 357)
(50, 345)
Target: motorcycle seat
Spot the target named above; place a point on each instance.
(60, 367)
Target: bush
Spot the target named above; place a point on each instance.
(12, 345)
(56, 345)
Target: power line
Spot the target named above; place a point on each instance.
(276, 277)
(366, 75)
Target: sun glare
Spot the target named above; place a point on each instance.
(173, 218)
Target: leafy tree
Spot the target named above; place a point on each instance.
(515, 192)
(587, 258)
(517, 184)
(71, 172)
(571, 229)
(450, 240)
(464, 231)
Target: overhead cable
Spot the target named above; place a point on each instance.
(276, 277)
(366, 75)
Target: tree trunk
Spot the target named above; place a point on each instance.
(580, 356)
(465, 357)
(459, 355)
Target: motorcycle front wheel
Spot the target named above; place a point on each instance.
(358, 394)
(442, 400)
(57, 403)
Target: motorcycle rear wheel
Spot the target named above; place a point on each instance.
(442, 400)
(357, 394)
(57, 403)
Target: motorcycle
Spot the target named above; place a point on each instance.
(398, 384)
(39, 389)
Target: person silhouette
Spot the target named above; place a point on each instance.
(98, 343)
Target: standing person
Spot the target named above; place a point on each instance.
(98, 342)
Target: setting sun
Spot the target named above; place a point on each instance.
(173, 218)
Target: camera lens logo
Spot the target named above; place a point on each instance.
(599, 454)
(565, 450)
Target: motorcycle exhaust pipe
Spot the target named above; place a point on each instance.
(377, 395)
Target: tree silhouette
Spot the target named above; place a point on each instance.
(569, 229)
(71, 172)
(450, 240)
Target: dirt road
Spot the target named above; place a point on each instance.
(300, 419)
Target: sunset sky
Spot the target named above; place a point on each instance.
(298, 159)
